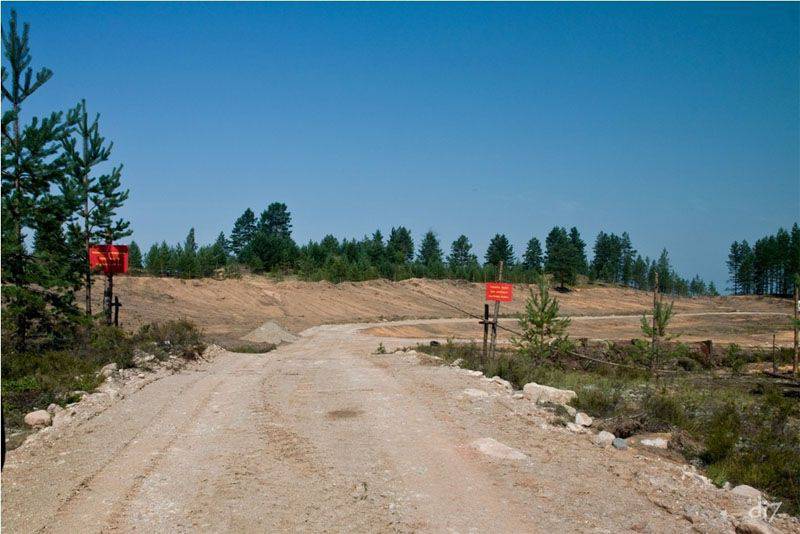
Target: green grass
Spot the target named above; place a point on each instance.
(37, 379)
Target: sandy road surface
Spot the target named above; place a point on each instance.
(322, 435)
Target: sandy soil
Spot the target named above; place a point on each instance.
(752, 329)
(323, 435)
(230, 309)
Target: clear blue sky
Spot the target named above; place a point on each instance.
(675, 122)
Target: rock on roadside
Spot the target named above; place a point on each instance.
(108, 370)
(540, 393)
(753, 526)
(38, 419)
(495, 449)
(746, 491)
(583, 419)
(604, 439)
(620, 444)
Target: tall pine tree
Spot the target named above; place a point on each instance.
(499, 250)
(532, 259)
(38, 288)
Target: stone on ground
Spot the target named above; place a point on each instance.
(38, 419)
(505, 383)
(495, 449)
(539, 393)
(753, 526)
(475, 393)
(108, 370)
(746, 491)
(604, 439)
(583, 420)
(620, 444)
(572, 427)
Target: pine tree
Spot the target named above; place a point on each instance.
(276, 220)
(627, 253)
(499, 250)
(79, 163)
(532, 259)
(38, 291)
(461, 256)
(711, 291)
(579, 250)
(639, 273)
(188, 265)
(430, 252)
(697, 286)
(134, 256)
(400, 246)
(734, 268)
(153, 262)
(243, 231)
(543, 331)
(664, 273)
(560, 260)
(219, 251)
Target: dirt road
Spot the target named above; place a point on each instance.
(323, 435)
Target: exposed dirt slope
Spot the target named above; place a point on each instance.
(234, 308)
(321, 435)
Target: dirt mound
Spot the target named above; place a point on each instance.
(233, 308)
(270, 332)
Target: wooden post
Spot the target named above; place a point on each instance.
(655, 336)
(774, 362)
(117, 306)
(108, 297)
(796, 302)
(485, 324)
(496, 313)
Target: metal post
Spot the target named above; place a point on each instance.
(496, 314)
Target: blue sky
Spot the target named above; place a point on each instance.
(675, 122)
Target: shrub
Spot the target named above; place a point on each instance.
(598, 401)
(664, 411)
(179, 338)
(735, 358)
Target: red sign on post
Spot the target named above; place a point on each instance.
(499, 291)
(112, 258)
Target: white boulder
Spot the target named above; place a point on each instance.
(108, 370)
(604, 439)
(583, 420)
(746, 491)
(38, 419)
(658, 443)
(577, 429)
(475, 393)
(505, 383)
(495, 449)
(539, 393)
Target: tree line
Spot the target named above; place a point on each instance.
(55, 202)
(265, 244)
(768, 267)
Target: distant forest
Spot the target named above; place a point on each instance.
(264, 244)
(766, 268)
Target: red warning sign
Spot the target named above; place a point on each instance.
(112, 258)
(499, 291)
